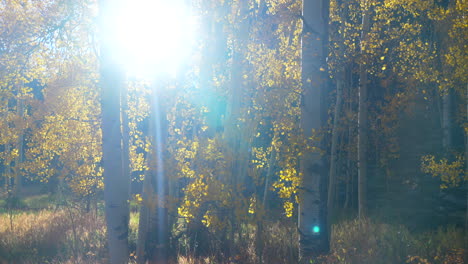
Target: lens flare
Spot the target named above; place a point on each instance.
(316, 229)
(152, 36)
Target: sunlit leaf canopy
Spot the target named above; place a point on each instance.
(151, 37)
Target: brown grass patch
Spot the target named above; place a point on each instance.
(32, 237)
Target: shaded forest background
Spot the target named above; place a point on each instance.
(232, 136)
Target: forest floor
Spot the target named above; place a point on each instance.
(39, 232)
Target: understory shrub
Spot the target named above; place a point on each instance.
(365, 241)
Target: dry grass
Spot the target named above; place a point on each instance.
(192, 260)
(29, 235)
(43, 236)
(71, 237)
(366, 241)
(281, 243)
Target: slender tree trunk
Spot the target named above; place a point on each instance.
(312, 224)
(347, 193)
(5, 178)
(342, 84)
(153, 233)
(447, 124)
(349, 168)
(334, 145)
(160, 222)
(59, 197)
(441, 40)
(143, 223)
(125, 137)
(271, 165)
(362, 120)
(466, 209)
(7, 172)
(259, 241)
(115, 181)
(466, 184)
(235, 131)
(19, 146)
(126, 168)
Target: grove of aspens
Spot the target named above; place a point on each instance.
(234, 131)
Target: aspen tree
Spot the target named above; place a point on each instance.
(312, 225)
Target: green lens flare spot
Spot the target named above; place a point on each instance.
(316, 229)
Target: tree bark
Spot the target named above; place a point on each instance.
(235, 132)
(447, 126)
(362, 120)
(312, 223)
(349, 202)
(334, 144)
(116, 189)
(153, 233)
(259, 239)
(19, 146)
(7, 172)
(466, 184)
(125, 137)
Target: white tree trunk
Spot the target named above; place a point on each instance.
(312, 225)
(19, 146)
(153, 233)
(125, 136)
(116, 190)
(362, 121)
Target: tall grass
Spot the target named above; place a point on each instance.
(44, 236)
(366, 241)
(72, 237)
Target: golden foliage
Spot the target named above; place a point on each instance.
(452, 174)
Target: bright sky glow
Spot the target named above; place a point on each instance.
(153, 37)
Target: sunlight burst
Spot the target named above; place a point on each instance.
(153, 36)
